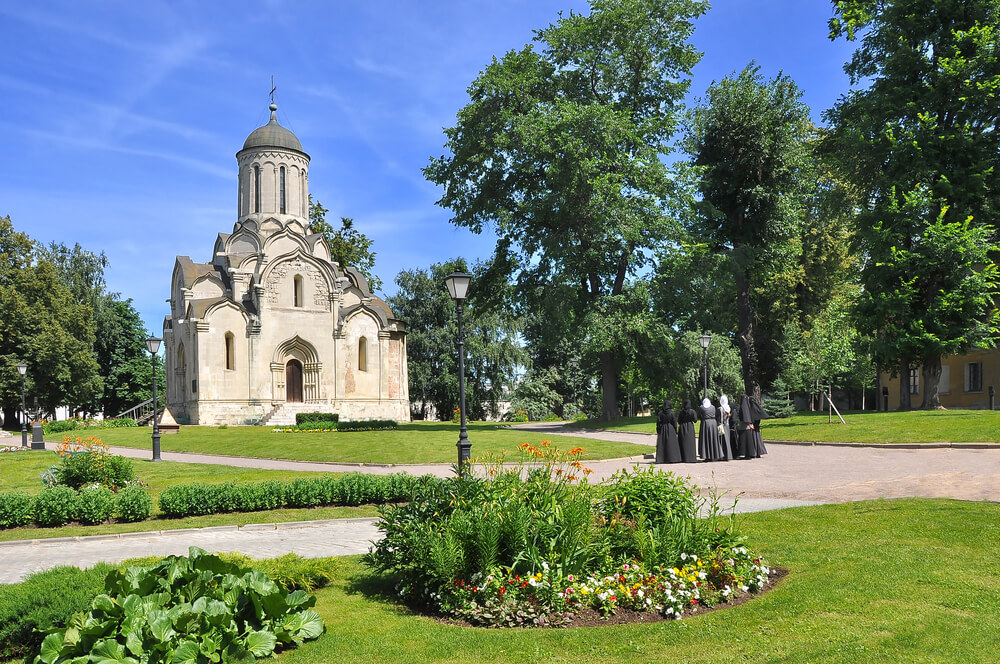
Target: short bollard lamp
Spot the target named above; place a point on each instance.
(153, 346)
(458, 287)
(23, 369)
(704, 340)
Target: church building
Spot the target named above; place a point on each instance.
(271, 326)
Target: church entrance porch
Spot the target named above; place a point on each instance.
(293, 381)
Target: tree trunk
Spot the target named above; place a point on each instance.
(609, 387)
(10, 421)
(932, 377)
(904, 384)
(744, 338)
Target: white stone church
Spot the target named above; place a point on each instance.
(272, 326)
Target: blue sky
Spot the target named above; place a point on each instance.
(121, 119)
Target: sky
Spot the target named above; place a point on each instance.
(121, 119)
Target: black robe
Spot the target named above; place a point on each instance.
(668, 449)
(685, 433)
(708, 435)
(751, 445)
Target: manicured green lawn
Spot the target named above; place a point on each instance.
(418, 442)
(918, 426)
(886, 581)
(19, 471)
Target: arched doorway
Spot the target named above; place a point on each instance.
(293, 381)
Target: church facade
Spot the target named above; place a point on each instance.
(272, 325)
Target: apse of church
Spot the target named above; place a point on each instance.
(271, 326)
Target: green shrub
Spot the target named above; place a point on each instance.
(132, 504)
(551, 417)
(61, 426)
(56, 506)
(239, 615)
(118, 423)
(95, 504)
(305, 418)
(357, 425)
(15, 510)
(42, 601)
(518, 416)
(96, 466)
(579, 417)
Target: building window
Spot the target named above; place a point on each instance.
(362, 354)
(297, 290)
(230, 352)
(915, 380)
(256, 188)
(974, 377)
(282, 190)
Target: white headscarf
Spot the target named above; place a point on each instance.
(706, 402)
(724, 402)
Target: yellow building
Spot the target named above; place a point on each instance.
(967, 381)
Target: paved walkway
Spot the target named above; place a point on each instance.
(790, 475)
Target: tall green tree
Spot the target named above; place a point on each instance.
(560, 150)
(750, 139)
(493, 354)
(349, 246)
(919, 138)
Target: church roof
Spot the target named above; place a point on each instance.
(191, 271)
(273, 135)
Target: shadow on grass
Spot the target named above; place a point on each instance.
(380, 589)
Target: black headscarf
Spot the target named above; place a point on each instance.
(751, 411)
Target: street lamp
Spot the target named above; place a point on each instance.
(153, 345)
(458, 286)
(704, 340)
(23, 369)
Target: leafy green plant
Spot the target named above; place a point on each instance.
(132, 504)
(15, 509)
(305, 418)
(56, 506)
(185, 609)
(95, 504)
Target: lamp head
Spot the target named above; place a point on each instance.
(458, 285)
(704, 340)
(22, 368)
(153, 345)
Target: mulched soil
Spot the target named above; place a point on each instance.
(593, 618)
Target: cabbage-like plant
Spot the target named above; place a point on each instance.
(198, 608)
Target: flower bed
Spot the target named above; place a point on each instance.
(534, 545)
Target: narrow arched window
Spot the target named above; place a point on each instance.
(230, 352)
(297, 290)
(362, 354)
(282, 190)
(256, 188)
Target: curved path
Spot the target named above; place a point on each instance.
(789, 475)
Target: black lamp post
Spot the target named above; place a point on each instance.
(704, 340)
(23, 369)
(458, 286)
(153, 345)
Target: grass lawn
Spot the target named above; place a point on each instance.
(917, 426)
(417, 442)
(19, 471)
(885, 581)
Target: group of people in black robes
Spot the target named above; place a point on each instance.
(724, 435)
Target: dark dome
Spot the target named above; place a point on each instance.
(272, 135)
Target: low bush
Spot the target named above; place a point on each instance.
(535, 544)
(87, 461)
(335, 425)
(56, 506)
(15, 509)
(132, 504)
(306, 418)
(76, 423)
(204, 609)
(196, 499)
(41, 602)
(518, 416)
(95, 504)
(551, 417)
(60, 426)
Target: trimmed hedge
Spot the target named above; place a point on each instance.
(306, 418)
(58, 505)
(74, 424)
(336, 425)
(183, 500)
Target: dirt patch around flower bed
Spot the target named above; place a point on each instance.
(623, 616)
